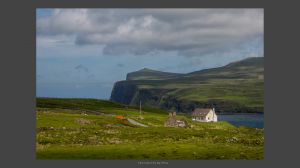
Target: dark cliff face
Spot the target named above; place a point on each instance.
(123, 92)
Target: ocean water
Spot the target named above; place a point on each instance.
(250, 120)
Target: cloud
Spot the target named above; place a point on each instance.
(82, 68)
(189, 32)
(120, 65)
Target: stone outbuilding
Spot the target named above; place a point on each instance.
(173, 122)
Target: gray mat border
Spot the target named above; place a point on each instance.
(18, 85)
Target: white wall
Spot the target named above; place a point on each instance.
(211, 115)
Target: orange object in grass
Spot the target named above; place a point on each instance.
(120, 117)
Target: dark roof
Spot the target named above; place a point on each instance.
(201, 112)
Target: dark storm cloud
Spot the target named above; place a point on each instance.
(189, 32)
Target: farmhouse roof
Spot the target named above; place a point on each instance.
(200, 112)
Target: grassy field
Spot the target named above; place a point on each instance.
(89, 129)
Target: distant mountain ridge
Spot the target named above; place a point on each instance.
(236, 87)
(150, 74)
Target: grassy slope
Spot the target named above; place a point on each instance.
(245, 92)
(240, 82)
(61, 136)
(149, 74)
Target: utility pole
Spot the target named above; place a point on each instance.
(213, 114)
(140, 107)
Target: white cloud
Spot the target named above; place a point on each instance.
(189, 32)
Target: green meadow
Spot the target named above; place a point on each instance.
(89, 129)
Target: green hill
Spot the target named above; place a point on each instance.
(149, 74)
(90, 129)
(236, 87)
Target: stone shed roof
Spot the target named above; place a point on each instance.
(201, 112)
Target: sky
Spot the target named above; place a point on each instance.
(82, 52)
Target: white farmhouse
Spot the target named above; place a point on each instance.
(204, 115)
